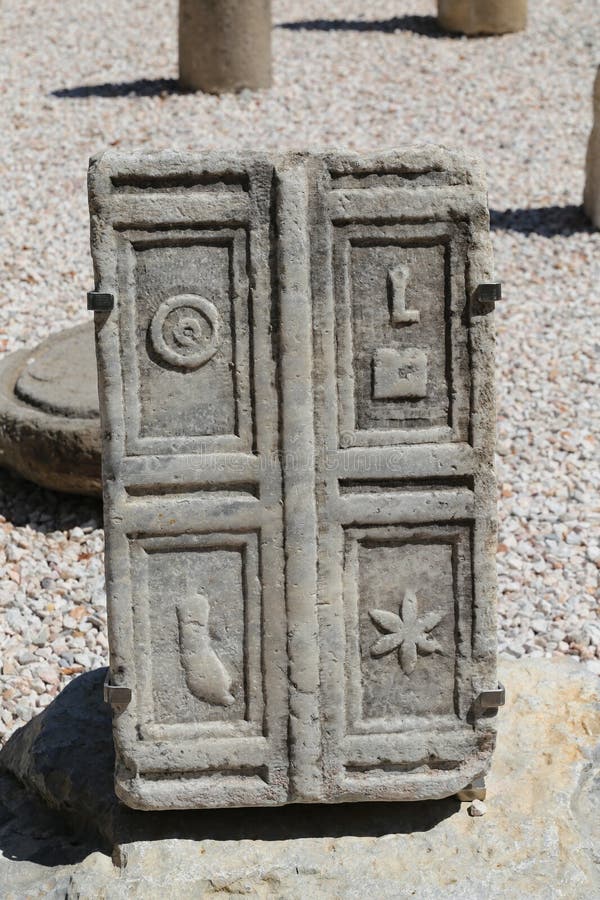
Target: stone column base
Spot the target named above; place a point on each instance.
(225, 45)
(474, 17)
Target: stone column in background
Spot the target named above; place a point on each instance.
(224, 45)
(591, 194)
(482, 16)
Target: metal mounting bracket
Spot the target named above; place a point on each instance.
(116, 695)
(488, 292)
(474, 791)
(492, 699)
(100, 302)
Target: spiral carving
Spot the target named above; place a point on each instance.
(185, 331)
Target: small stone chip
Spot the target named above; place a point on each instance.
(48, 674)
(477, 808)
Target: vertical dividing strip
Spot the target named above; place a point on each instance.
(483, 432)
(298, 446)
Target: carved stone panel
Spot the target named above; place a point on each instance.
(205, 656)
(296, 384)
(187, 324)
(402, 362)
(408, 621)
(404, 414)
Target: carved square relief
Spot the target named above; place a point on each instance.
(399, 374)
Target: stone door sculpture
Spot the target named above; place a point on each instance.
(296, 387)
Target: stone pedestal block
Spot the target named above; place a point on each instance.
(482, 16)
(297, 401)
(57, 802)
(591, 196)
(224, 45)
(49, 420)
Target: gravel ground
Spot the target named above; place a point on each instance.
(76, 77)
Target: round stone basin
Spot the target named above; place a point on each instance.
(49, 419)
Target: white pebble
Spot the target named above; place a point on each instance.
(477, 808)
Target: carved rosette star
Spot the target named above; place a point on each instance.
(407, 633)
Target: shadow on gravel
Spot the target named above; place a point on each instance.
(24, 503)
(143, 87)
(425, 25)
(547, 221)
(65, 757)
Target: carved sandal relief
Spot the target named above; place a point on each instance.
(205, 675)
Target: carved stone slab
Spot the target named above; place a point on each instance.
(297, 400)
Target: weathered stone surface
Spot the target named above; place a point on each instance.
(591, 196)
(483, 16)
(224, 45)
(539, 837)
(49, 419)
(297, 391)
